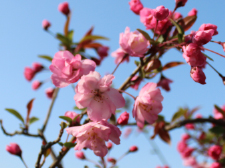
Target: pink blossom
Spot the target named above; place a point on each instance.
(93, 136)
(80, 155)
(73, 115)
(216, 165)
(109, 145)
(215, 151)
(14, 149)
(37, 67)
(190, 161)
(49, 92)
(193, 55)
(120, 55)
(111, 160)
(181, 146)
(46, 24)
(193, 12)
(147, 18)
(133, 149)
(36, 84)
(29, 73)
(161, 12)
(202, 136)
(147, 105)
(180, 2)
(136, 83)
(134, 43)
(64, 8)
(190, 126)
(163, 25)
(185, 137)
(102, 51)
(187, 152)
(198, 116)
(209, 27)
(136, 6)
(123, 118)
(164, 83)
(223, 45)
(68, 69)
(217, 114)
(198, 75)
(177, 15)
(203, 37)
(96, 94)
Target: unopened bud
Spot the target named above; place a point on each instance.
(109, 145)
(123, 119)
(14, 149)
(36, 84)
(133, 149)
(80, 155)
(111, 160)
(46, 24)
(64, 8)
(161, 12)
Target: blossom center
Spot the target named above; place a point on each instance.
(146, 107)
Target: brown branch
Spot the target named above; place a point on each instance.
(47, 146)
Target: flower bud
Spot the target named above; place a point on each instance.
(161, 12)
(137, 82)
(164, 83)
(133, 149)
(198, 116)
(29, 73)
(198, 75)
(64, 8)
(49, 92)
(216, 165)
(36, 84)
(136, 6)
(37, 67)
(215, 151)
(102, 51)
(190, 126)
(223, 45)
(186, 137)
(180, 3)
(209, 27)
(123, 119)
(46, 24)
(111, 160)
(73, 115)
(202, 136)
(109, 145)
(193, 12)
(80, 155)
(14, 149)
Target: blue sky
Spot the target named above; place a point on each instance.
(22, 39)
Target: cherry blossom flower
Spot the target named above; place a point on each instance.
(120, 55)
(14, 149)
(64, 8)
(215, 151)
(68, 69)
(123, 118)
(46, 24)
(147, 105)
(161, 12)
(136, 6)
(198, 75)
(93, 136)
(96, 94)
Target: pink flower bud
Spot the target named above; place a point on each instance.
(80, 155)
(187, 152)
(198, 75)
(37, 67)
(123, 119)
(180, 2)
(203, 37)
(209, 27)
(102, 51)
(198, 116)
(46, 24)
(181, 146)
(161, 12)
(137, 82)
(14, 149)
(177, 15)
(217, 114)
(186, 137)
(202, 136)
(136, 6)
(214, 152)
(216, 165)
(73, 115)
(164, 83)
(133, 149)
(64, 8)
(49, 92)
(190, 126)
(193, 12)
(109, 145)
(111, 160)
(29, 73)
(223, 45)
(36, 84)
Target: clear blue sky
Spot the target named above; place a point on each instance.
(22, 39)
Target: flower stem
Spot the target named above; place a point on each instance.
(23, 162)
(127, 94)
(214, 52)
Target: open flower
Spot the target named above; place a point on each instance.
(148, 104)
(93, 136)
(67, 68)
(96, 94)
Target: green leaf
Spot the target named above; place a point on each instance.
(66, 118)
(32, 120)
(220, 110)
(63, 125)
(16, 114)
(63, 39)
(136, 63)
(69, 144)
(70, 35)
(60, 143)
(160, 39)
(93, 37)
(217, 130)
(160, 118)
(179, 29)
(208, 57)
(118, 111)
(146, 35)
(46, 57)
(76, 108)
(181, 112)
